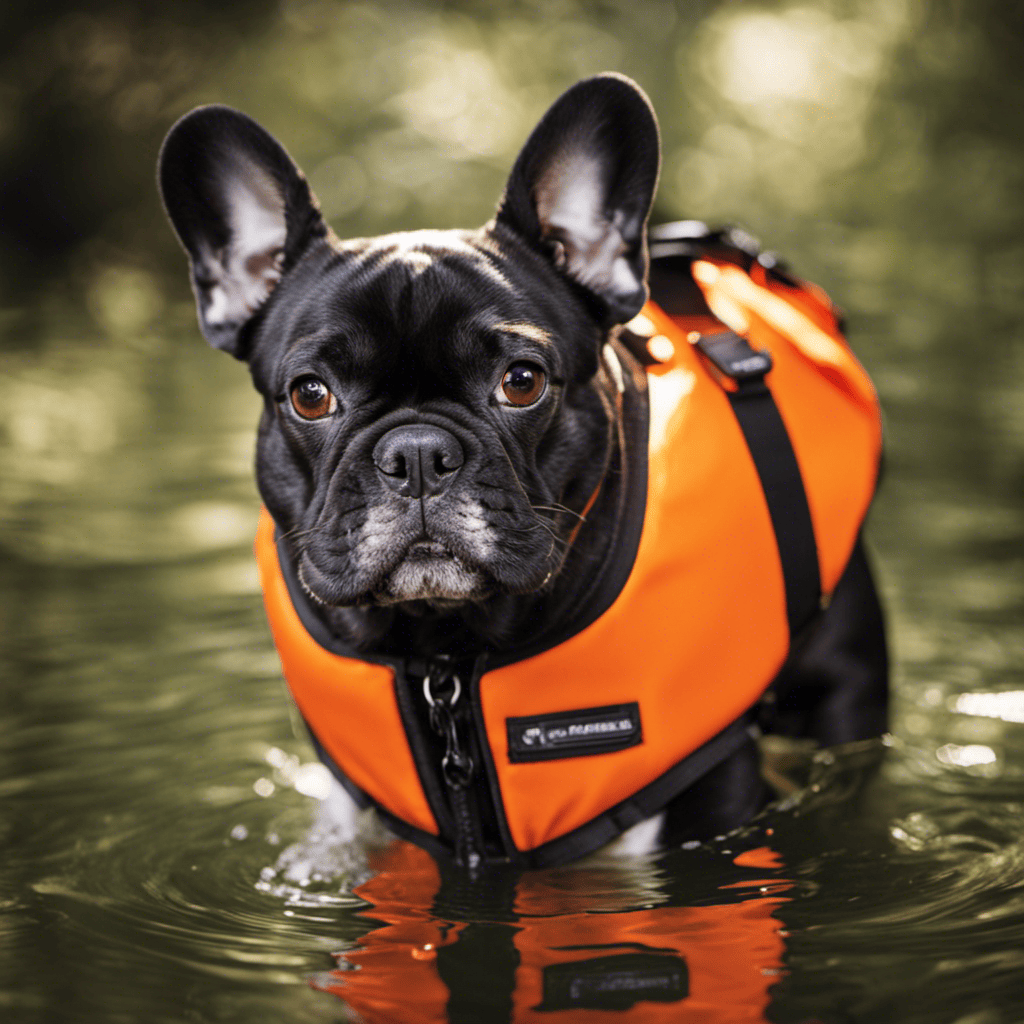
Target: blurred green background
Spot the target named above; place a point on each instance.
(875, 143)
(144, 734)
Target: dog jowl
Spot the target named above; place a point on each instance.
(453, 451)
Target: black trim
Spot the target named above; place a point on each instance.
(695, 240)
(587, 838)
(435, 846)
(480, 725)
(426, 755)
(641, 805)
(579, 733)
(692, 239)
(361, 797)
(783, 486)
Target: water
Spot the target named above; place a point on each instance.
(152, 777)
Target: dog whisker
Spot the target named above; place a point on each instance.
(559, 508)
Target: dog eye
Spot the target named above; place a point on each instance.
(522, 384)
(312, 399)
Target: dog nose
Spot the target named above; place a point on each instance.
(418, 460)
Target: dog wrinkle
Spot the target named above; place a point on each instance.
(416, 261)
(421, 250)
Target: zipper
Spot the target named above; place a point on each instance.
(450, 719)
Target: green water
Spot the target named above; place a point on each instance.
(150, 772)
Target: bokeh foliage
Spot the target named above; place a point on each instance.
(838, 115)
(876, 143)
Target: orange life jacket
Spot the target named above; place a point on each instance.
(584, 739)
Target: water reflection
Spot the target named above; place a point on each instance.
(563, 944)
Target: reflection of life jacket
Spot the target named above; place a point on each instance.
(526, 956)
(759, 474)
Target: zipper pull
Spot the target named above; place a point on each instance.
(457, 765)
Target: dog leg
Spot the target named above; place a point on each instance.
(835, 687)
(638, 841)
(726, 797)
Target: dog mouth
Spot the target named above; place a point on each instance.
(427, 550)
(427, 571)
(441, 553)
(430, 572)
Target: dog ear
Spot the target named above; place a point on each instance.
(581, 189)
(243, 212)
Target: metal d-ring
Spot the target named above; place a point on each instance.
(456, 692)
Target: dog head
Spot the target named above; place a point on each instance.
(434, 415)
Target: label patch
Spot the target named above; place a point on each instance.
(615, 982)
(574, 733)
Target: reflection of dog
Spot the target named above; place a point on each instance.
(453, 449)
(628, 938)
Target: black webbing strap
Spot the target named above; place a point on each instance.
(775, 461)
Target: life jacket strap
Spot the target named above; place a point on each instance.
(775, 461)
(674, 248)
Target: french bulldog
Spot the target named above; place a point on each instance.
(451, 418)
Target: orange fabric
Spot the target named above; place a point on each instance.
(808, 351)
(699, 629)
(675, 637)
(350, 703)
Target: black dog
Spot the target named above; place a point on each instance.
(448, 458)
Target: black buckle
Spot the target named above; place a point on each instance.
(733, 357)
